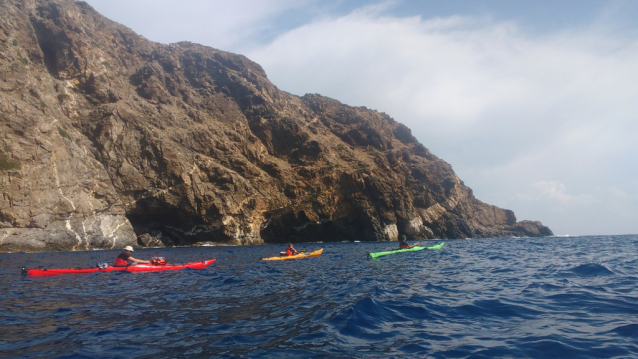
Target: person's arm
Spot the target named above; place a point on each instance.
(138, 260)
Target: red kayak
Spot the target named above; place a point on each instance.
(136, 268)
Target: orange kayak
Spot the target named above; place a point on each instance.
(316, 253)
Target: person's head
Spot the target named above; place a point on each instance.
(128, 249)
(403, 237)
(289, 245)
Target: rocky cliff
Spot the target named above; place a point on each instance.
(108, 139)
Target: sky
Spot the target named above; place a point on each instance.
(534, 104)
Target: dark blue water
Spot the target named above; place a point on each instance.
(571, 297)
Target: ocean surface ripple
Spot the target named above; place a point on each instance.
(573, 297)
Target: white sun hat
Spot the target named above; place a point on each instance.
(128, 248)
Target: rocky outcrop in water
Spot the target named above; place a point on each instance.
(107, 136)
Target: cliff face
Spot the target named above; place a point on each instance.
(107, 136)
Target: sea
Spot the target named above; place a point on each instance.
(553, 297)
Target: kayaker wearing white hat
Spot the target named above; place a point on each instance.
(124, 257)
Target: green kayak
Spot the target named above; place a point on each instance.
(379, 254)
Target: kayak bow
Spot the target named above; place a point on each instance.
(136, 268)
(379, 254)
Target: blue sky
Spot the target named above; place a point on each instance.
(533, 103)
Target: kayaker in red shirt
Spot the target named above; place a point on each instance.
(403, 243)
(124, 257)
(291, 250)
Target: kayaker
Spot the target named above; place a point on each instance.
(291, 250)
(403, 243)
(124, 257)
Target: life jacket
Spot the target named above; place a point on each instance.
(119, 262)
(288, 252)
(405, 246)
(122, 259)
(158, 261)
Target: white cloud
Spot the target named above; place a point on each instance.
(217, 23)
(556, 191)
(506, 108)
(457, 76)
